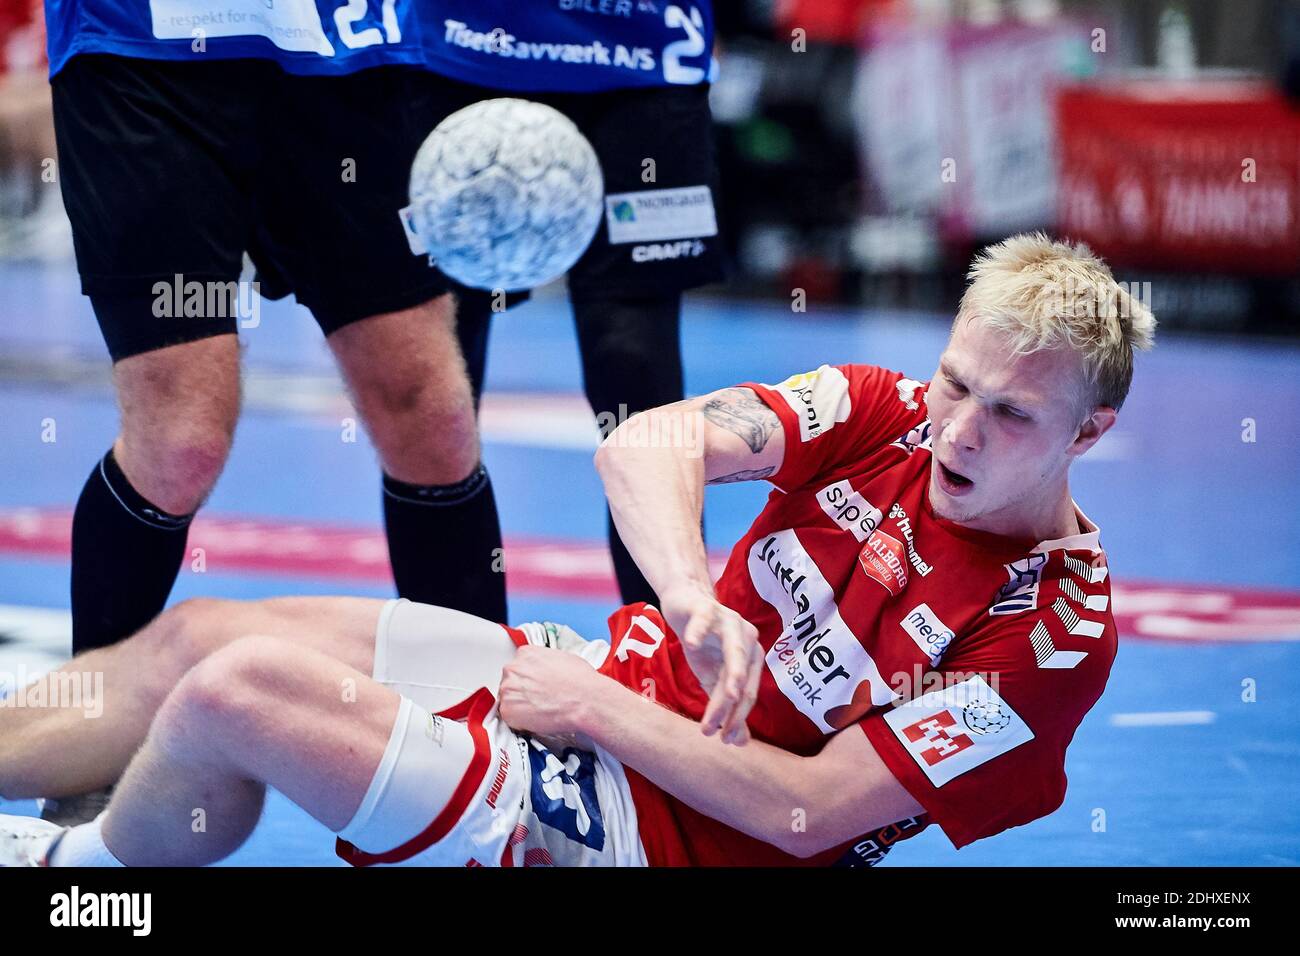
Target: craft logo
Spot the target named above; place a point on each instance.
(659, 251)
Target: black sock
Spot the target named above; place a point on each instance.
(125, 557)
(444, 543)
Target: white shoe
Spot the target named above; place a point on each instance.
(27, 841)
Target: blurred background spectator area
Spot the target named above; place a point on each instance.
(869, 146)
(32, 223)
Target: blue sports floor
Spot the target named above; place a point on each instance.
(1192, 756)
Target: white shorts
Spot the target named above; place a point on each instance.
(456, 786)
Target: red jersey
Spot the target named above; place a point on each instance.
(968, 659)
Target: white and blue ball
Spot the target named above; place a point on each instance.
(505, 194)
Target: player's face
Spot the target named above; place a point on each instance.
(1005, 429)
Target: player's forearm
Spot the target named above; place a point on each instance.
(754, 789)
(656, 496)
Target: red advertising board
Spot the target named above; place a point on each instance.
(1181, 176)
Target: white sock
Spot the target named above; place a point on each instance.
(83, 846)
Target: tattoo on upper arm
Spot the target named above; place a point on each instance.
(742, 476)
(742, 413)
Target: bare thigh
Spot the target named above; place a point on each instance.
(292, 702)
(266, 710)
(434, 655)
(342, 628)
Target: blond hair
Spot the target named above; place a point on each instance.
(1044, 294)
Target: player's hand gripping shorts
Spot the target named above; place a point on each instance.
(456, 786)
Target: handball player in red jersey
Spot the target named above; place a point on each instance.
(909, 634)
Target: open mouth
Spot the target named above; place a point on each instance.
(952, 482)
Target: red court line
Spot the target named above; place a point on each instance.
(568, 569)
(229, 545)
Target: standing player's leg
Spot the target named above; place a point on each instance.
(474, 311)
(329, 202)
(631, 361)
(131, 523)
(408, 380)
(626, 290)
(473, 330)
(150, 160)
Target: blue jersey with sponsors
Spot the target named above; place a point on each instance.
(570, 45)
(516, 45)
(304, 36)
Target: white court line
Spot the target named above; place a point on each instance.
(1162, 718)
(40, 640)
(552, 420)
(41, 629)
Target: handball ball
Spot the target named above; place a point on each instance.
(505, 194)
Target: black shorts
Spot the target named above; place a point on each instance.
(660, 234)
(176, 169)
(170, 171)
